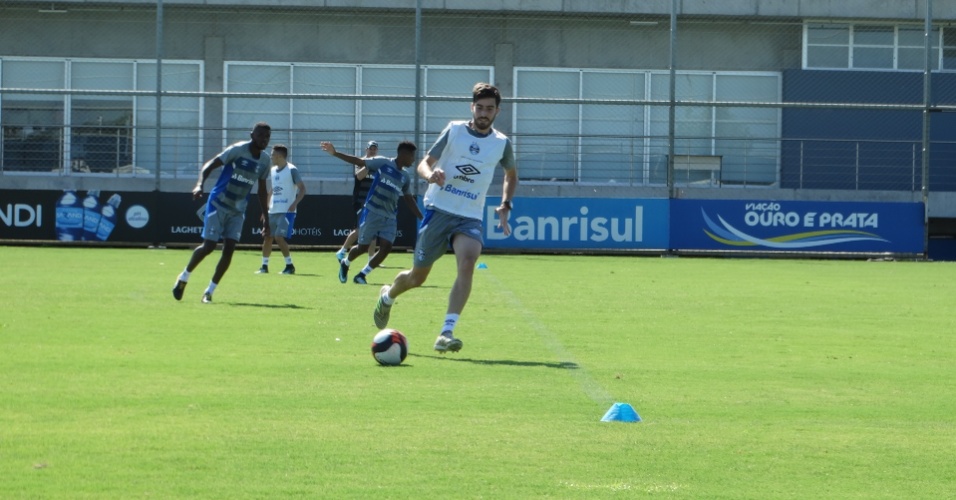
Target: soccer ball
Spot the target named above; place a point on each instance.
(389, 347)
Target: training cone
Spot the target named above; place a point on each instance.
(621, 412)
(482, 266)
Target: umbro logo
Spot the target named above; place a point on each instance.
(468, 169)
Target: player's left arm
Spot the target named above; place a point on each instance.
(299, 189)
(413, 205)
(263, 195)
(508, 186)
(299, 194)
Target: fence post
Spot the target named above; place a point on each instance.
(927, 102)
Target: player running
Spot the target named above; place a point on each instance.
(459, 169)
(243, 165)
(378, 220)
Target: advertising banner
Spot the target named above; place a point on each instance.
(580, 224)
(797, 226)
(148, 217)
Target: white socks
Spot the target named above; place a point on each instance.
(450, 320)
(184, 276)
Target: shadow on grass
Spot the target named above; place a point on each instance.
(564, 365)
(266, 306)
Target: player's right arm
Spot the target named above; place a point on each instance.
(330, 149)
(426, 170)
(204, 172)
(361, 173)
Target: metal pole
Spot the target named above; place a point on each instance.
(672, 97)
(927, 102)
(418, 82)
(159, 116)
(159, 88)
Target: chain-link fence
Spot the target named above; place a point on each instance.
(709, 95)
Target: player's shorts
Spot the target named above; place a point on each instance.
(436, 232)
(373, 225)
(282, 225)
(222, 223)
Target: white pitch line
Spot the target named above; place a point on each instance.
(590, 387)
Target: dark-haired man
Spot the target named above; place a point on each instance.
(244, 164)
(459, 169)
(378, 221)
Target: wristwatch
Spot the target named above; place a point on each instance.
(507, 204)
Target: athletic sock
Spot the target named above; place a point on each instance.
(211, 288)
(346, 262)
(288, 260)
(184, 276)
(265, 262)
(386, 299)
(367, 270)
(449, 327)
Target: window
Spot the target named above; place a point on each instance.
(100, 130)
(298, 119)
(869, 47)
(628, 142)
(32, 123)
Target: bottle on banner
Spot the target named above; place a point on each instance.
(69, 217)
(108, 219)
(91, 214)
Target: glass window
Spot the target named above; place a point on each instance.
(101, 133)
(873, 35)
(315, 120)
(32, 123)
(388, 121)
(873, 58)
(828, 34)
(551, 151)
(181, 155)
(612, 142)
(244, 112)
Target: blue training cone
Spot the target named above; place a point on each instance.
(482, 265)
(621, 412)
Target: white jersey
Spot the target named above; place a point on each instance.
(284, 188)
(468, 160)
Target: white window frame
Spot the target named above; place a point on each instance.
(851, 44)
(67, 100)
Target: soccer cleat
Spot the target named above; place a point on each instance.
(263, 270)
(290, 269)
(447, 343)
(179, 289)
(340, 255)
(359, 279)
(207, 298)
(343, 272)
(382, 310)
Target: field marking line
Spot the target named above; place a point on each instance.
(591, 387)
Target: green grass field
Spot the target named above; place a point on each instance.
(754, 378)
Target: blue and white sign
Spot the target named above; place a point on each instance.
(795, 226)
(580, 224)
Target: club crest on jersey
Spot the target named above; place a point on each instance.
(474, 149)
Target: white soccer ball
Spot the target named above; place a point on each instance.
(389, 347)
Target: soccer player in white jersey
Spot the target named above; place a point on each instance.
(459, 169)
(287, 191)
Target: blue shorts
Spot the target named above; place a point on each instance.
(222, 223)
(282, 225)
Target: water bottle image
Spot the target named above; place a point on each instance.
(91, 214)
(108, 218)
(69, 217)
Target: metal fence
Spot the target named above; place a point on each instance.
(857, 100)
